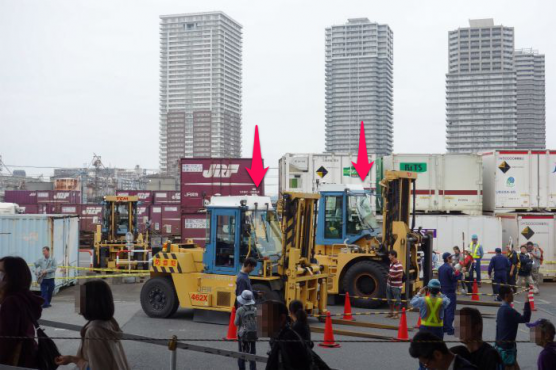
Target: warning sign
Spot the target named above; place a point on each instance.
(504, 167)
(528, 233)
(322, 172)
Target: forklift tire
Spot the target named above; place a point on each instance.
(265, 293)
(366, 279)
(159, 298)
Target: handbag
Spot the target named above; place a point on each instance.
(47, 349)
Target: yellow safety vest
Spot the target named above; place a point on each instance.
(474, 250)
(434, 305)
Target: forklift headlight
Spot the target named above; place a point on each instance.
(260, 272)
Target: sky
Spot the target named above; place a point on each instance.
(81, 77)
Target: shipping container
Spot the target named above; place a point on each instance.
(171, 221)
(142, 218)
(163, 197)
(201, 178)
(194, 227)
(539, 228)
(451, 230)
(145, 196)
(57, 196)
(307, 172)
(26, 235)
(21, 197)
(91, 216)
(445, 182)
(29, 209)
(155, 214)
(519, 180)
(9, 209)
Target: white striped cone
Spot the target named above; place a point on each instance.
(531, 298)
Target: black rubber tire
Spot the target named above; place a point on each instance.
(159, 298)
(366, 279)
(266, 293)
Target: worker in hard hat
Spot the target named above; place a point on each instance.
(431, 308)
(449, 277)
(477, 252)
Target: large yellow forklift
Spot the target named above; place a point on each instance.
(188, 276)
(118, 244)
(354, 249)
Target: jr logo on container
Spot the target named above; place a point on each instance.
(221, 170)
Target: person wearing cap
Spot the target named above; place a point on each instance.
(431, 308)
(246, 322)
(448, 277)
(542, 334)
(501, 266)
(507, 322)
(512, 257)
(477, 253)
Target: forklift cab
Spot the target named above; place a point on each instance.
(237, 228)
(119, 217)
(345, 215)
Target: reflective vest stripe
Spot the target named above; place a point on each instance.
(474, 250)
(434, 305)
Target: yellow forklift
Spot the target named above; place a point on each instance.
(354, 249)
(118, 244)
(188, 276)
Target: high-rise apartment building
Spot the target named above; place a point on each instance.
(531, 119)
(494, 94)
(481, 88)
(359, 86)
(200, 87)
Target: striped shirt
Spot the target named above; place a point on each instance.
(395, 275)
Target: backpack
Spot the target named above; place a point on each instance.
(526, 264)
(249, 324)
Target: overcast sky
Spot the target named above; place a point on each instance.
(82, 77)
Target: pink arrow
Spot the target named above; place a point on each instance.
(362, 166)
(257, 171)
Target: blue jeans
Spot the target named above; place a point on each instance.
(394, 295)
(247, 347)
(47, 288)
(477, 269)
(449, 314)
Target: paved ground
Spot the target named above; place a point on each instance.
(350, 356)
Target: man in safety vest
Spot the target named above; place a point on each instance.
(431, 308)
(477, 253)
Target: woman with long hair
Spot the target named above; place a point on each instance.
(101, 346)
(19, 310)
(299, 317)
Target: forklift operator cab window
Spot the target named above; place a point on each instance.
(333, 217)
(225, 240)
(360, 214)
(261, 235)
(122, 218)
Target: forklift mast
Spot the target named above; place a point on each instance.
(119, 217)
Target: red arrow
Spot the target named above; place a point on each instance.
(362, 166)
(257, 171)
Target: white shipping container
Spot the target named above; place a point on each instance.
(307, 172)
(519, 180)
(26, 235)
(534, 227)
(445, 182)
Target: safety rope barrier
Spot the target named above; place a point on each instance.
(364, 313)
(373, 299)
(95, 269)
(99, 276)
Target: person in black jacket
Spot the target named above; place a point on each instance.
(20, 309)
(479, 353)
(434, 355)
(300, 324)
(288, 351)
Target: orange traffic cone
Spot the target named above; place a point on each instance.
(232, 328)
(475, 296)
(532, 298)
(418, 322)
(329, 334)
(347, 309)
(402, 331)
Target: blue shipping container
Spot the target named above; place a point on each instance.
(26, 235)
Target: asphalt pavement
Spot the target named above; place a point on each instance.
(389, 355)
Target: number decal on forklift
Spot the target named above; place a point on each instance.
(199, 297)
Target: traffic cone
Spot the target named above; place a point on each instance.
(347, 309)
(475, 296)
(329, 334)
(232, 328)
(531, 298)
(402, 331)
(418, 322)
